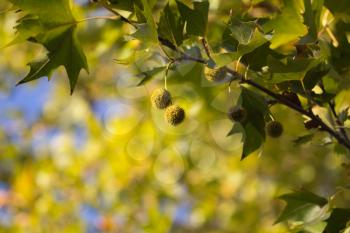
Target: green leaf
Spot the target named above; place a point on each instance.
(38, 69)
(147, 11)
(314, 75)
(237, 128)
(27, 27)
(51, 23)
(124, 5)
(253, 139)
(343, 115)
(301, 206)
(255, 42)
(322, 98)
(338, 220)
(253, 128)
(64, 49)
(171, 26)
(150, 74)
(242, 31)
(288, 26)
(303, 139)
(340, 149)
(51, 13)
(312, 18)
(196, 18)
(254, 125)
(144, 33)
(188, 3)
(289, 69)
(339, 8)
(257, 59)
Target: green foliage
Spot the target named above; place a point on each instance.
(300, 205)
(287, 26)
(171, 26)
(253, 127)
(338, 220)
(311, 213)
(196, 19)
(51, 23)
(256, 40)
(290, 53)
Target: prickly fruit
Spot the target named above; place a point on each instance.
(237, 114)
(161, 98)
(174, 115)
(274, 129)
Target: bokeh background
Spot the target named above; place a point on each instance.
(103, 160)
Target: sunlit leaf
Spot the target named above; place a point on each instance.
(301, 205)
(287, 26)
(55, 28)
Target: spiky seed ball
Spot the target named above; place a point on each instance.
(174, 115)
(274, 129)
(161, 98)
(237, 114)
(215, 75)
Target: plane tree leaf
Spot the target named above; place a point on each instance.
(288, 26)
(52, 24)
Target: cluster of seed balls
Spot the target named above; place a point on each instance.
(238, 114)
(161, 99)
(174, 114)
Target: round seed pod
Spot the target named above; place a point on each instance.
(161, 98)
(174, 115)
(237, 114)
(215, 75)
(274, 129)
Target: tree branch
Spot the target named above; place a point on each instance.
(206, 47)
(310, 114)
(279, 98)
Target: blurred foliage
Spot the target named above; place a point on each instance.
(103, 160)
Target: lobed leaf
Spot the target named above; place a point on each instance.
(171, 26)
(288, 26)
(196, 18)
(301, 205)
(51, 23)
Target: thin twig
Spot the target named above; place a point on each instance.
(206, 47)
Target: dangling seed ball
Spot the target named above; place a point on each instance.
(274, 129)
(237, 114)
(215, 75)
(174, 115)
(161, 98)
